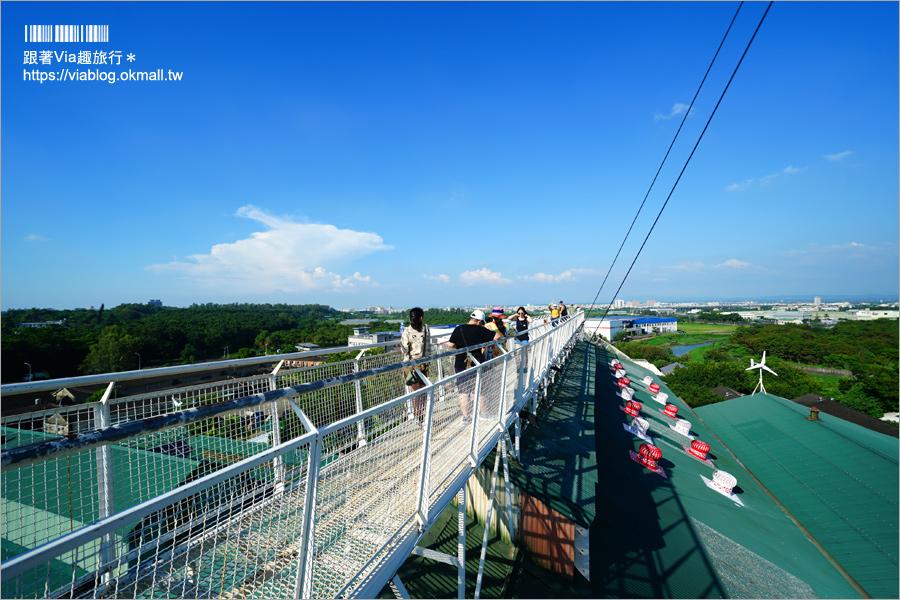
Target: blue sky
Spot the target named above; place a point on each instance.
(439, 154)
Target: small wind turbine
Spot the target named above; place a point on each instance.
(760, 365)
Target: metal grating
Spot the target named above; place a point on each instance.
(305, 493)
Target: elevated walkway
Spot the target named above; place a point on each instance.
(310, 482)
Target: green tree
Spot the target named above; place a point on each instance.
(114, 351)
(857, 398)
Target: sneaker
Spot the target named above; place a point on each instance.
(467, 420)
(482, 417)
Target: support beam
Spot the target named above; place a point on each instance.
(436, 556)
(461, 543)
(398, 588)
(487, 523)
(509, 509)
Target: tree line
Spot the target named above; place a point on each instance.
(131, 336)
(869, 349)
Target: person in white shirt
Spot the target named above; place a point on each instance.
(415, 342)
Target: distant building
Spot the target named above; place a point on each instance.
(155, 303)
(362, 337)
(304, 362)
(846, 413)
(667, 370)
(42, 324)
(869, 315)
(817, 300)
(610, 326)
(56, 425)
(726, 392)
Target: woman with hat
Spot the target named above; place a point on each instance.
(495, 323)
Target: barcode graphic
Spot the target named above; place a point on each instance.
(66, 33)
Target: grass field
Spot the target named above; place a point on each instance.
(829, 384)
(697, 354)
(707, 328)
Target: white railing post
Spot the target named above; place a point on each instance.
(503, 380)
(278, 461)
(105, 486)
(360, 426)
(476, 407)
(425, 464)
(306, 556)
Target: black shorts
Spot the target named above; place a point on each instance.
(466, 383)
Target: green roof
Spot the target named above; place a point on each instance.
(46, 500)
(840, 480)
(654, 536)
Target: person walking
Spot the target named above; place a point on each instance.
(415, 342)
(495, 323)
(521, 322)
(519, 328)
(472, 333)
(554, 314)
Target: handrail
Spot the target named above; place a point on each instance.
(32, 453)
(82, 380)
(297, 465)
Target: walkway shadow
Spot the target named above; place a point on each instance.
(642, 542)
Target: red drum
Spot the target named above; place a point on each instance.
(650, 456)
(671, 410)
(699, 449)
(633, 408)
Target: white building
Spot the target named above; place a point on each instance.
(610, 326)
(868, 315)
(362, 337)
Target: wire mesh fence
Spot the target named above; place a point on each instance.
(300, 494)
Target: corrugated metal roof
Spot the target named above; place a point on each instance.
(840, 480)
(54, 497)
(655, 536)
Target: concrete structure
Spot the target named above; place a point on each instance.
(869, 315)
(42, 324)
(610, 326)
(361, 337)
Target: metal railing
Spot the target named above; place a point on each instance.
(307, 482)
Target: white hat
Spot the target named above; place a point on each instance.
(478, 315)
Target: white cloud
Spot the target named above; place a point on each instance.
(565, 276)
(677, 109)
(839, 155)
(764, 180)
(688, 266)
(443, 278)
(739, 186)
(483, 276)
(733, 263)
(287, 256)
(851, 251)
(33, 237)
